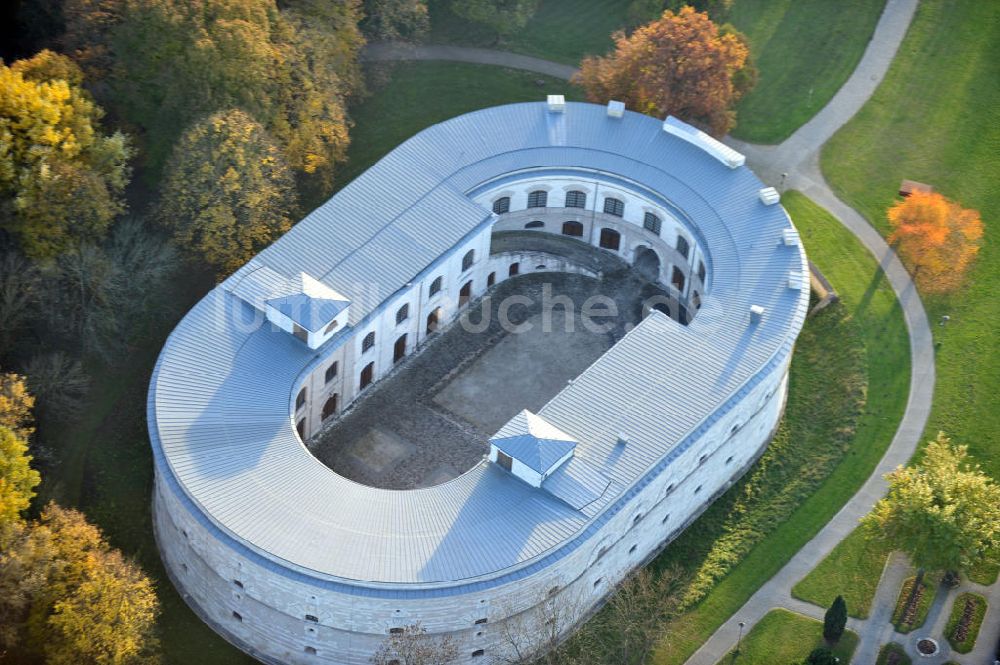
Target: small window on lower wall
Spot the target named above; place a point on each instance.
(697, 489)
(301, 428)
(481, 621)
(598, 581)
(572, 229)
(238, 616)
(729, 459)
(396, 631)
(537, 224)
(313, 618)
(478, 653)
(311, 651)
(514, 269)
(491, 279)
(665, 518)
(632, 549)
(610, 239)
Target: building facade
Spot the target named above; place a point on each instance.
(295, 564)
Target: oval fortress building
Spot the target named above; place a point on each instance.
(294, 563)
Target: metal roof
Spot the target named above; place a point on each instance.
(533, 441)
(220, 399)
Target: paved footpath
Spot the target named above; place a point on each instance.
(798, 158)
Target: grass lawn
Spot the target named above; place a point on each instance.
(977, 610)
(869, 304)
(561, 30)
(985, 575)
(929, 587)
(892, 648)
(804, 50)
(786, 637)
(851, 570)
(420, 94)
(936, 119)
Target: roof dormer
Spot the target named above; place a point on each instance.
(530, 447)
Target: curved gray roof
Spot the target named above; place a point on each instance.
(219, 402)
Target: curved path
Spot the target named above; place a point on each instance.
(798, 158)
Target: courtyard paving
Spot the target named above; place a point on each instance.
(431, 420)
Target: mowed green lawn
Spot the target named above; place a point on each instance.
(784, 638)
(805, 50)
(561, 30)
(872, 307)
(936, 119)
(851, 570)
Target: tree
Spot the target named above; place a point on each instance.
(109, 616)
(227, 193)
(396, 20)
(17, 479)
(505, 17)
(936, 238)
(16, 404)
(944, 513)
(62, 181)
(636, 614)
(821, 656)
(60, 384)
(835, 620)
(681, 64)
(19, 293)
(413, 646)
(173, 62)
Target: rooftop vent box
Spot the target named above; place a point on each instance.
(623, 439)
(795, 280)
(720, 151)
(790, 237)
(756, 313)
(769, 196)
(616, 109)
(557, 103)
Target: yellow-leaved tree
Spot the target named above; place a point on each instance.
(17, 479)
(936, 238)
(61, 180)
(228, 192)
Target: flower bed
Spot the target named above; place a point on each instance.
(910, 612)
(893, 654)
(963, 626)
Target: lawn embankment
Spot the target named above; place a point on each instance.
(936, 119)
(869, 310)
(804, 50)
(786, 637)
(851, 570)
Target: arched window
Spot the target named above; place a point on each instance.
(538, 198)
(435, 286)
(537, 224)
(696, 300)
(433, 321)
(330, 406)
(367, 375)
(403, 313)
(610, 239)
(399, 349)
(514, 269)
(331, 372)
(313, 618)
(300, 399)
(683, 247)
(468, 259)
(576, 199)
(330, 328)
(678, 279)
(652, 223)
(491, 279)
(465, 294)
(574, 229)
(614, 206)
(501, 205)
(301, 428)
(368, 342)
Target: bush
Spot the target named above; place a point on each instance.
(893, 654)
(835, 620)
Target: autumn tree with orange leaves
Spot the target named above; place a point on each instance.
(681, 64)
(936, 238)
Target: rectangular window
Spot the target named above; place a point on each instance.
(613, 206)
(331, 372)
(538, 199)
(504, 460)
(576, 199)
(652, 223)
(501, 205)
(368, 342)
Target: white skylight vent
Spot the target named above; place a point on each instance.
(795, 280)
(695, 136)
(756, 313)
(616, 109)
(623, 439)
(557, 103)
(769, 196)
(790, 237)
